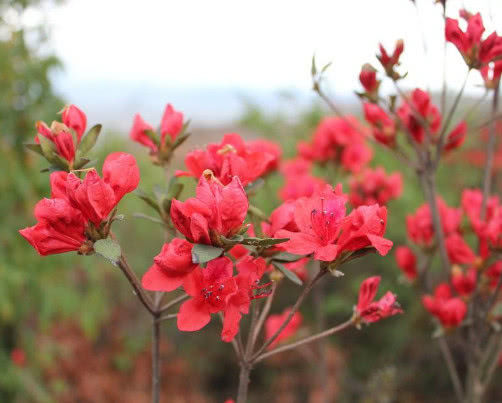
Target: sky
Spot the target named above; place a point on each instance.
(203, 56)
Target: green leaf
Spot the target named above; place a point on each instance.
(89, 140)
(325, 67)
(288, 273)
(80, 163)
(147, 199)
(313, 69)
(109, 249)
(180, 140)
(35, 148)
(232, 241)
(47, 148)
(204, 253)
(263, 242)
(153, 136)
(287, 257)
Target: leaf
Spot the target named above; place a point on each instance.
(180, 140)
(313, 69)
(288, 273)
(204, 253)
(153, 136)
(47, 148)
(109, 249)
(147, 199)
(287, 257)
(89, 140)
(263, 242)
(325, 67)
(35, 148)
(232, 241)
(80, 163)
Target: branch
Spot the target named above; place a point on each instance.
(295, 307)
(145, 298)
(306, 340)
(452, 370)
(173, 302)
(263, 316)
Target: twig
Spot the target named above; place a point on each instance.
(173, 302)
(145, 298)
(263, 315)
(452, 370)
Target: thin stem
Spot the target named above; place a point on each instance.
(452, 370)
(155, 360)
(295, 307)
(242, 392)
(167, 317)
(490, 150)
(442, 136)
(494, 364)
(306, 340)
(444, 89)
(263, 315)
(145, 298)
(173, 302)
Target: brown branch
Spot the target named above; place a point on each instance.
(144, 298)
(452, 370)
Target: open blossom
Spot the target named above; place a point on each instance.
(421, 104)
(60, 134)
(232, 157)
(382, 126)
(171, 266)
(319, 220)
(270, 148)
(464, 283)
(62, 220)
(407, 262)
(449, 310)
(339, 140)
(420, 227)
(372, 311)
(170, 127)
(274, 322)
(283, 217)
(96, 197)
(374, 187)
(458, 250)
(471, 202)
(476, 51)
(216, 210)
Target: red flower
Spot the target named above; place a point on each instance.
(374, 187)
(456, 137)
(365, 227)
(491, 74)
(367, 77)
(60, 228)
(232, 157)
(390, 61)
(75, 119)
(319, 220)
(96, 197)
(472, 200)
(407, 262)
(450, 311)
(356, 156)
(171, 266)
(209, 289)
(372, 311)
(216, 210)
(458, 250)
(464, 283)
(274, 322)
(61, 137)
(420, 227)
(283, 217)
(421, 104)
(267, 147)
(170, 125)
(383, 127)
(475, 51)
(493, 273)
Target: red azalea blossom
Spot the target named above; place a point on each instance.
(491, 74)
(375, 187)
(449, 310)
(368, 79)
(383, 127)
(171, 266)
(475, 51)
(456, 137)
(421, 104)
(75, 119)
(493, 273)
(463, 283)
(407, 262)
(458, 250)
(390, 61)
(232, 157)
(216, 210)
(283, 217)
(372, 311)
(274, 322)
(319, 220)
(170, 127)
(420, 228)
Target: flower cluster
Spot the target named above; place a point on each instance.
(374, 186)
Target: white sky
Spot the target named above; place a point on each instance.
(257, 45)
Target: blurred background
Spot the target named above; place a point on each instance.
(70, 330)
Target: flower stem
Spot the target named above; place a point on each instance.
(452, 370)
(155, 360)
(242, 393)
